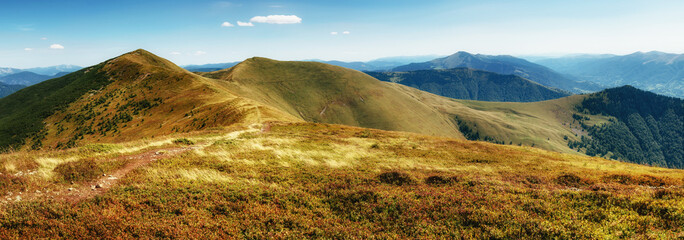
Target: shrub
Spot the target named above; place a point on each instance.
(183, 141)
(439, 180)
(395, 178)
(9, 182)
(619, 178)
(569, 180)
(81, 170)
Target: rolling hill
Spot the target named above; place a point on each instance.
(504, 65)
(465, 83)
(134, 96)
(318, 92)
(658, 72)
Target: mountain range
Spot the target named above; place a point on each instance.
(27, 78)
(102, 102)
(504, 64)
(137, 146)
(658, 72)
(380, 64)
(465, 83)
(49, 71)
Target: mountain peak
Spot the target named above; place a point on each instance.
(147, 59)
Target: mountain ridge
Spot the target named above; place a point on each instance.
(471, 84)
(503, 64)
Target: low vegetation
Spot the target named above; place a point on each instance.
(330, 181)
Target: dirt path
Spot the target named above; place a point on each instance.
(101, 185)
(79, 192)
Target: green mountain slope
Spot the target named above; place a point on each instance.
(465, 83)
(647, 128)
(318, 92)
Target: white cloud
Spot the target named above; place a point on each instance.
(245, 24)
(28, 49)
(56, 46)
(43, 38)
(333, 33)
(226, 24)
(175, 53)
(277, 19)
(346, 32)
(199, 53)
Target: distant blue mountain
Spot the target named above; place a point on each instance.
(658, 72)
(504, 64)
(24, 78)
(380, 64)
(6, 89)
(52, 70)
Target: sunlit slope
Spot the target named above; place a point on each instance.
(318, 92)
(307, 180)
(144, 96)
(541, 124)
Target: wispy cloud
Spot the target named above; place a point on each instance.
(226, 24)
(56, 46)
(199, 53)
(346, 32)
(28, 49)
(277, 19)
(43, 38)
(333, 33)
(245, 24)
(175, 53)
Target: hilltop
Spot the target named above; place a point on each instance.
(318, 92)
(134, 96)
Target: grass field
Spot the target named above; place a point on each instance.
(306, 180)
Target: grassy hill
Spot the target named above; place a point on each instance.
(136, 95)
(465, 83)
(318, 92)
(330, 181)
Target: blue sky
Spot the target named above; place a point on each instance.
(44, 33)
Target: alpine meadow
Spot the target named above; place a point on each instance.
(341, 120)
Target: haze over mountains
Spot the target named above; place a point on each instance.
(658, 72)
(504, 65)
(380, 64)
